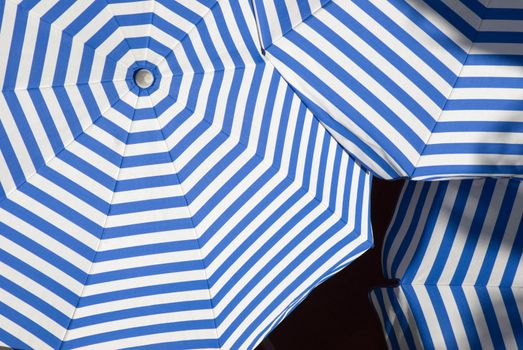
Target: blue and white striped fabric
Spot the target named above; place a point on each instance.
(195, 213)
(421, 88)
(457, 249)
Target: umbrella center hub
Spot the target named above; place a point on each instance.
(144, 78)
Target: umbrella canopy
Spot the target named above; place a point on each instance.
(161, 185)
(457, 249)
(425, 89)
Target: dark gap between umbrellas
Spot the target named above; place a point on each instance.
(338, 313)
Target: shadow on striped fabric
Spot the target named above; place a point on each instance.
(456, 248)
(421, 89)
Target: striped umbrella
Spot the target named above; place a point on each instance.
(457, 249)
(161, 184)
(425, 89)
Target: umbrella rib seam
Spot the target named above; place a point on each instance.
(450, 92)
(188, 32)
(274, 40)
(118, 28)
(53, 25)
(103, 228)
(64, 148)
(268, 61)
(218, 337)
(46, 87)
(271, 165)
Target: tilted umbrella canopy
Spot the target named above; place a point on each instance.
(161, 185)
(457, 249)
(424, 89)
